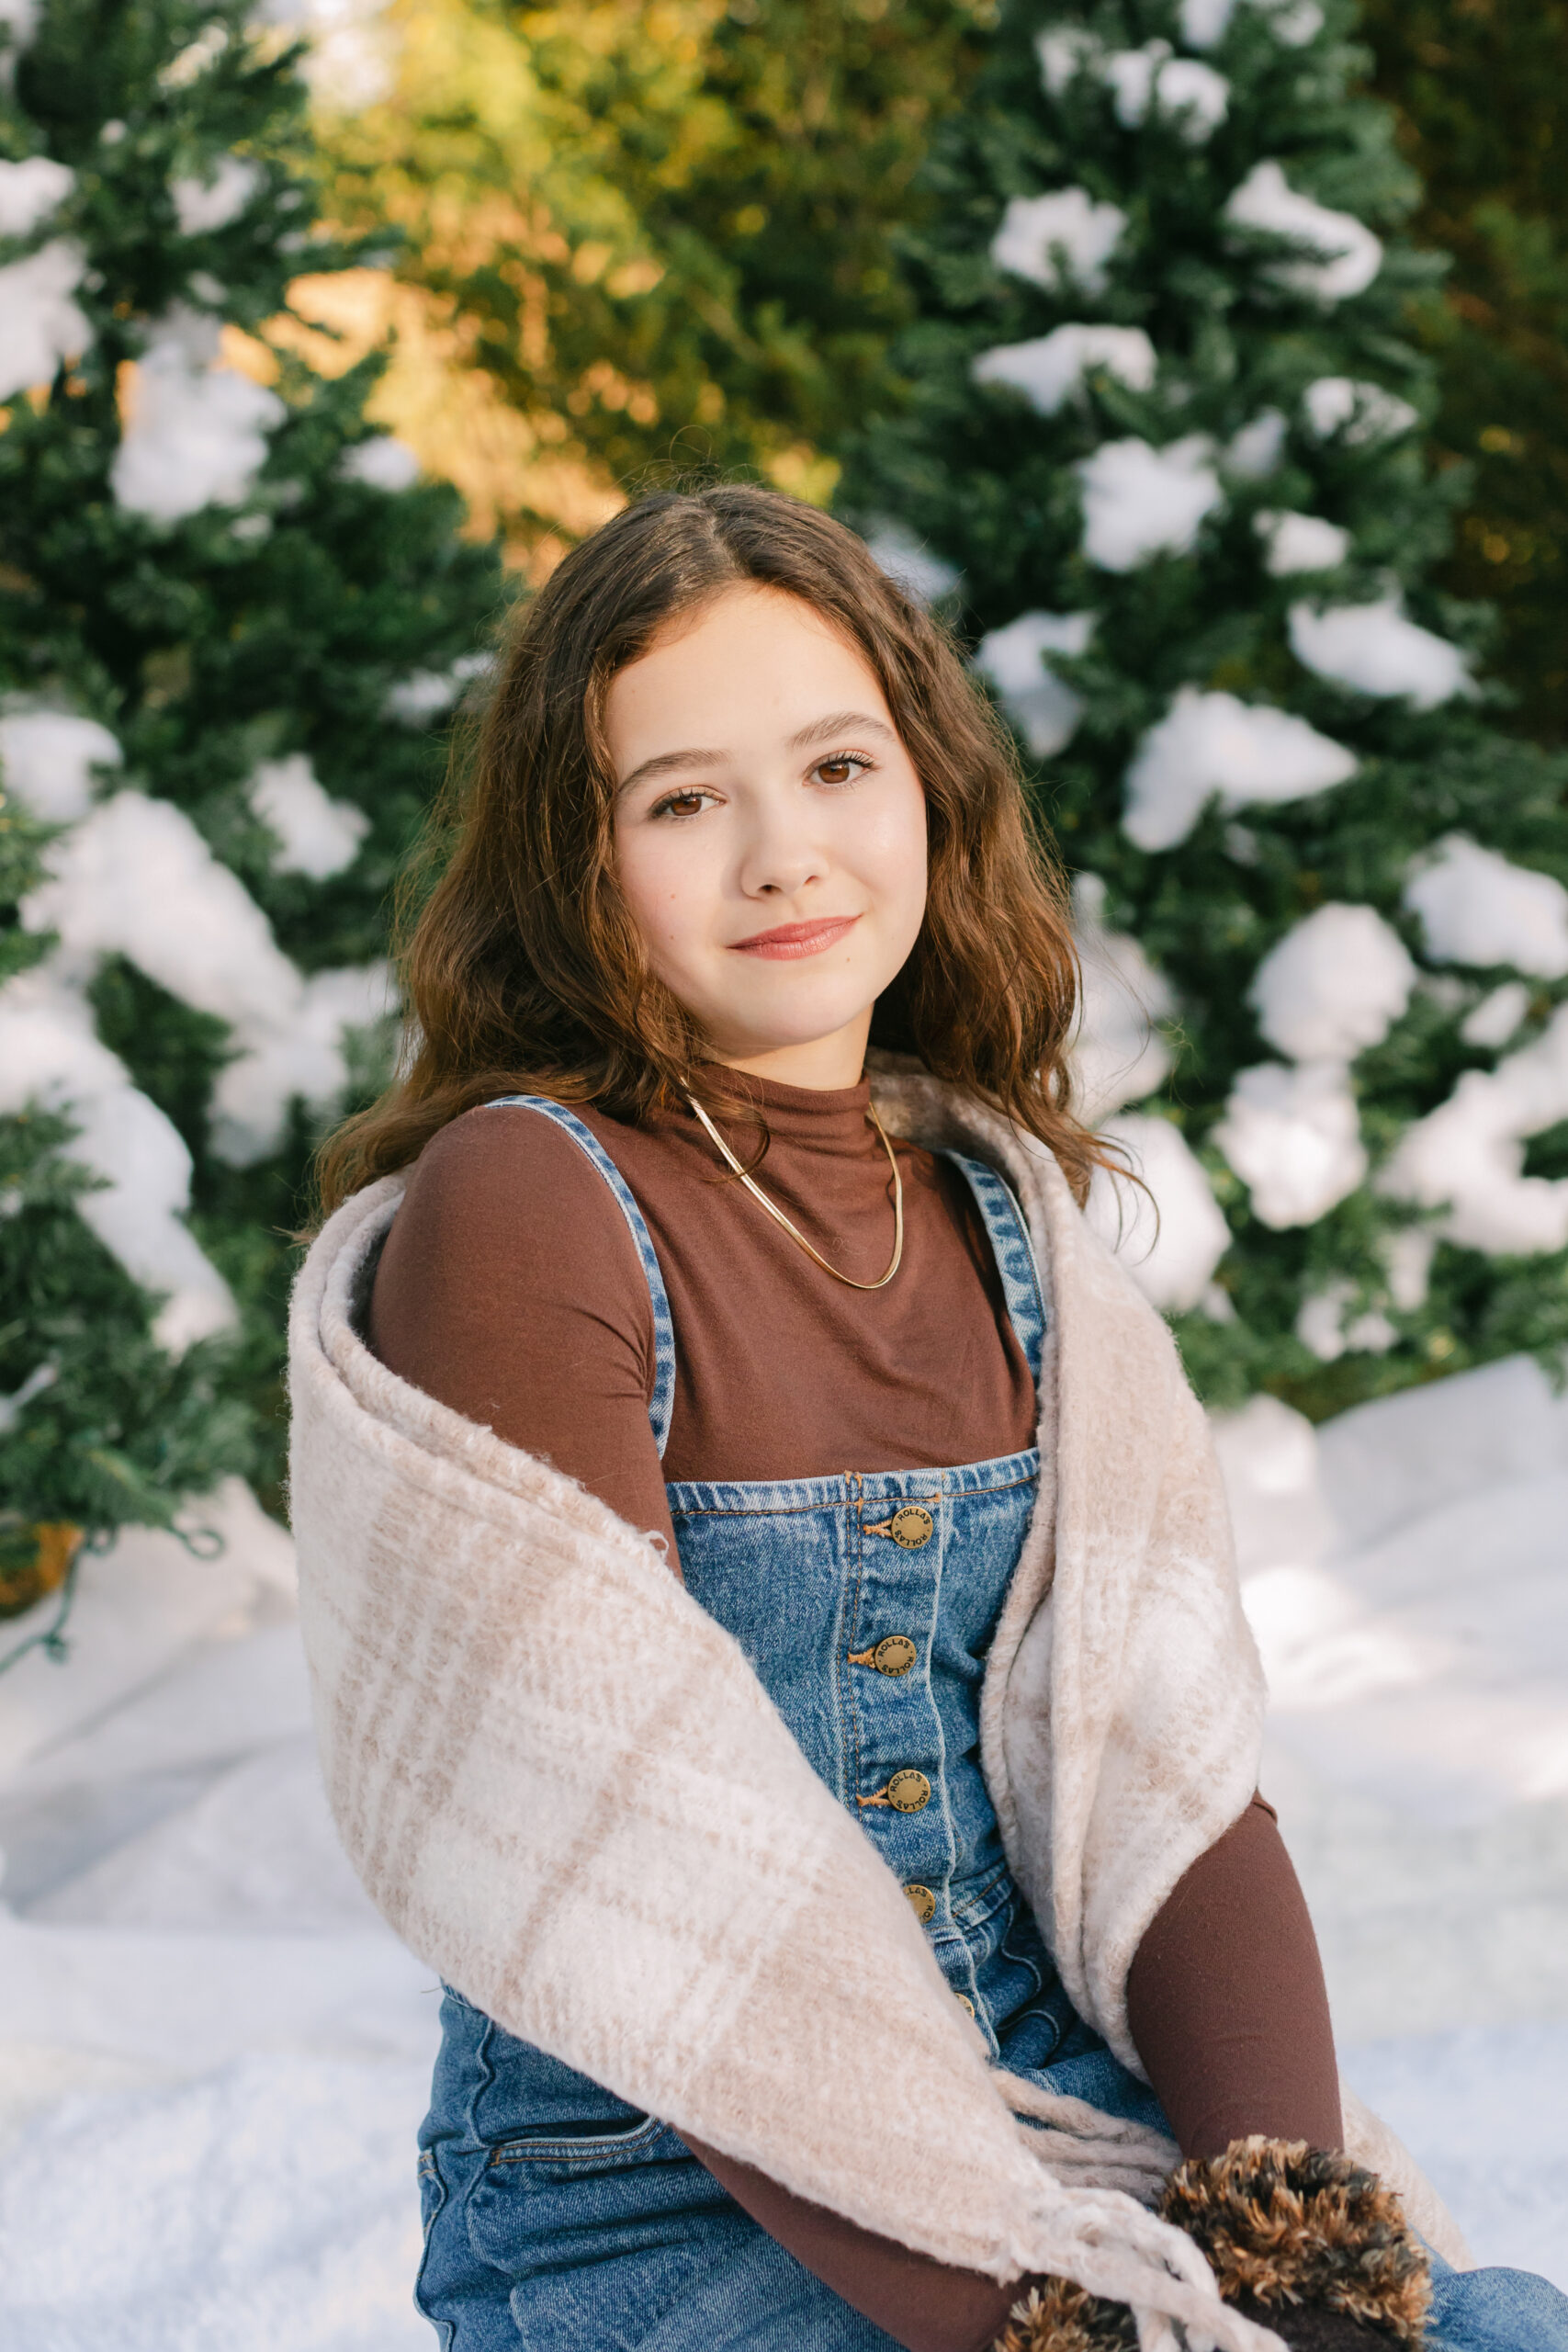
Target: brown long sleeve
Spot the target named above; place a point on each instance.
(510, 1289)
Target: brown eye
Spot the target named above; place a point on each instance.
(680, 803)
(843, 769)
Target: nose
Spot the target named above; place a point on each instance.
(779, 857)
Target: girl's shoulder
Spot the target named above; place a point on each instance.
(505, 1201)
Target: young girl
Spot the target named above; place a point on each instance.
(739, 816)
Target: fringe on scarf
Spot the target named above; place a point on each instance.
(1302, 2241)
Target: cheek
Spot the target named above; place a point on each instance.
(664, 888)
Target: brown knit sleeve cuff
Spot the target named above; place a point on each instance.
(1302, 2241)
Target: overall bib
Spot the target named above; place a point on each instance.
(558, 2219)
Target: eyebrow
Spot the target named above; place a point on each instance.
(668, 763)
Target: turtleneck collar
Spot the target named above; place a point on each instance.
(827, 1118)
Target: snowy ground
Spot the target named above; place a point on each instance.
(193, 1988)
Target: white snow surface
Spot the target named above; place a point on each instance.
(1476, 907)
(1050, 369)
(196, 1989)
(316, 834)
(1294, 1138)
(47, 759)
(1045, 708)
(31, 191)
(39, 324)
(1036, 230)
(192, 431)
(1342, 255)
(1333, 985)
(1301, 543)
(1140, 502)
(204, 204)
(1377, 650)
(1208, 743)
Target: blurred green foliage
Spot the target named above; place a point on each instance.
(664, 229)
(1481, 92)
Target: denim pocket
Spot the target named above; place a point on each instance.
(576, 2145)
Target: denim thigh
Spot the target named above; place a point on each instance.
(1495, 2311)
(556, 2218)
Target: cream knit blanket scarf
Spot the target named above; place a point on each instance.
(565, 1788)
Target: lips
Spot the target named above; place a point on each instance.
(791, 939)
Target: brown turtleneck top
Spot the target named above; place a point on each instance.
(510, 1288)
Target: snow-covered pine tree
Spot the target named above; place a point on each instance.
(1164, 432)
(231, 622)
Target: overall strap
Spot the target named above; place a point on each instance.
(1014, 1255)
(663, 1398)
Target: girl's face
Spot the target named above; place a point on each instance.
(770, 833)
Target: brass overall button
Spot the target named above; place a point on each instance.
(923, 1902)
(896, 1655)
(908, 1791)
(911, 1525)
(964, 2002)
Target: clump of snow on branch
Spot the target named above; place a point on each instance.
(1362, 411)
(1377, 650)
(1346, 256)
(40, 324)
(1467, 1157)
(1334, 986)
(1140, 502)
(351, 62)
(383, 462)
(135, 878)
(908, 561)
(424, 693)
(1476, 907)
(1293, 1137)
(1050, 369)
(194, 431)
(1327, 1325)
(1119, 1056)
(1301, 543)
(1038, 233)
(1213, 743)
(1204, 23)
(1151, 80)
(1045, 710)
(48, 757)
(1254, 452)
(1174, 1265)
(316, 834)
(204, 204)
(1494, 1021)
(31, 191)
(50, 1055)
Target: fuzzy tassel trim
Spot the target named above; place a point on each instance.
(1059, 2317)
(1285, 2225)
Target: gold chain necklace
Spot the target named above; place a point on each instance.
(794, 1230)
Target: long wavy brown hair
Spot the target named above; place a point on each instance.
(523, 969)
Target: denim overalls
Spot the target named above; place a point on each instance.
(556, 2218)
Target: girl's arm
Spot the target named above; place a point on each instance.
(510, 1290)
